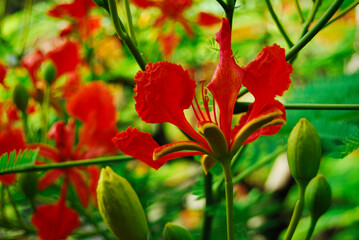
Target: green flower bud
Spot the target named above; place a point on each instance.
(120, 207)
(318, 196)
(28, 183)
(48, 71)
(304, 152)
(20, 97)
(175, 232)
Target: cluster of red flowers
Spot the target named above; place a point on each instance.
(163, 91)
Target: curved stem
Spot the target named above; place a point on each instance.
(85, 162)
(310, 231)
(229, 197)
(298, 209)
(129, 20)
(343, 12)
(300, 14)
(313, 31)
(311, 17)
(207, 224)
(279, 25)
(121, 32)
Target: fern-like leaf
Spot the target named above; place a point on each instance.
(349, 145)
(13, 161)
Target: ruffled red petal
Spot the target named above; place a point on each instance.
(66, 57)
(77, 9)
(32, 62)
(267, 76)
(139, 145)
(55, 221)
(163, 92)
(2, 75)
(207, 19)
(266, 131)
(227, 79)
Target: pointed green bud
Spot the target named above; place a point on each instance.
(120, 207)
(28, 183)
(175, 232)
(20, 97)
(304, 152)
(103, 4)
(48, 71)
(318, 196)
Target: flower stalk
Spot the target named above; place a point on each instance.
(228, 184)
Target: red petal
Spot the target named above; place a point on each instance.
(49, 178)
(55, 221)
(168, 43)
(82, 190)
(144, 3)
(77, 9)
(163, 92)
(207, 19)
(137, 144)
(32, 62)
(64, 136)
(46, 151)
(266, 131)
(92, 101)
(227, 79)
(66, 57)
(2, 75)
(71, 85)
(267, 76)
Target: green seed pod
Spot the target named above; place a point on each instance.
(48, 71)
(120, 207)
(28, 183)
(20, 97)
(318, 196)
(304, 152)
(175, 232)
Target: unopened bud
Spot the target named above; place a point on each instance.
(28, 183)
(120, 207)
(304, 152)
(318, 196)
(175, 232)
(48, 71)
(20, 97)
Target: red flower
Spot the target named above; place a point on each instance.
(174, 10)
(94, 106)
(165, 90)
(2, 75)
(64, 136)
(55, 221)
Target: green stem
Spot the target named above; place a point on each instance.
(207, 224)
(229, 197)
(129, 20)
(343, 12)
(310, 18)
(18, 216)
(310, 231)
(300, 14)
(45, 112)
(121, 32)
(278, 23)
(223, 5)
(85, 162)
(313, 31)
(230, 11)
(259, 164)
(26, 126)
(298, 209)
(26, 25)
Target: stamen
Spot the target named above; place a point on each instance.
(195, 113)
(205, 100)
(214, 111)
(198, 107)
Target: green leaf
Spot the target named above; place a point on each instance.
(349, 145)
(13, 161)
